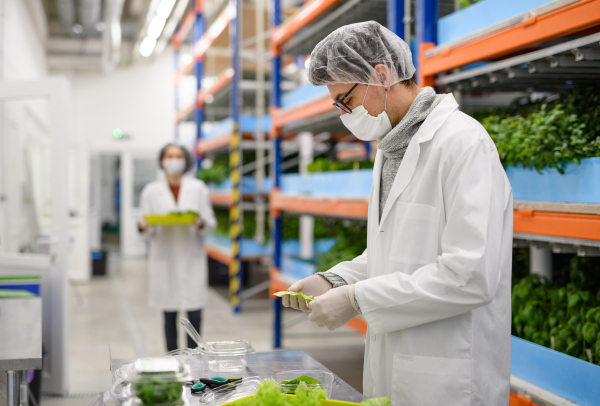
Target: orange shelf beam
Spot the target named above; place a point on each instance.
(566, 20)
(309, 13)
(354, 153)
(215, 143)
(200, 47)
(276, 284)
(184, 29)
(326, 207)
(218, 255)
(312, 110)
(220, 199)
(223, 80)
(569, 225)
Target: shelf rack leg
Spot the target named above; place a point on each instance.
(235, 166)
(275, 214)
(426, 16)
(199, 110)
(540, 261)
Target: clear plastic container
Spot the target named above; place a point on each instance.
(226, 355)
(327, 380)
(158, 381)
(225, 394)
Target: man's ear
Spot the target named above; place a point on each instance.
(384, 74)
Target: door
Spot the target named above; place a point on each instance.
(34, 202)
(137, 170)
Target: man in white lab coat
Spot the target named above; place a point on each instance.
(434, 281)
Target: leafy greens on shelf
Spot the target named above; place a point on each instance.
(546, 133)
(565, 319)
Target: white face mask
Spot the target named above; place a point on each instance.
(364, 126)
(174, 166)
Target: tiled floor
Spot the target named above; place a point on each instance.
(112, 311)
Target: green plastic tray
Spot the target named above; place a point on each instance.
(171, 219)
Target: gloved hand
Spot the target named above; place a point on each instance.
(333, 309)
(314, 285)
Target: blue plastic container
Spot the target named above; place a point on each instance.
(248, 124)
(349, 184)
(302, 95)
(482, 15)
(566, 376)
(579, 184)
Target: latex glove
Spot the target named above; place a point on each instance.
(333, 309)
(314, 285)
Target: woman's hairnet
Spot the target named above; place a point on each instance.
(350, 53)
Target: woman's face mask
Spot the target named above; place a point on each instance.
(174, 166)
(364, 126)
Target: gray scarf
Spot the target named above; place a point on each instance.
(393, 145)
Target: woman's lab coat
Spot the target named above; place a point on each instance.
(178, 264)
(434, 282)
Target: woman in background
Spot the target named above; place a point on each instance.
(178, 264)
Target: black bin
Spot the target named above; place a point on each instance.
(99, 263)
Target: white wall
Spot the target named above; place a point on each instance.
(23, 32)
(138, 99)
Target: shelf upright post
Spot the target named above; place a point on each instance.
(199, 62)
(235, 164)
(276, 214)
(426, 17)
(395, 18)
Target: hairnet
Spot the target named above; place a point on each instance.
(350, 53)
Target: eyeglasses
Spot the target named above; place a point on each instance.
(340, 105)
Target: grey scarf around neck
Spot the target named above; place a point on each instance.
(393, 145)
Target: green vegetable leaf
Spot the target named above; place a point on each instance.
(384, 401)
(590, 331)
(289, 293)
(307, 379)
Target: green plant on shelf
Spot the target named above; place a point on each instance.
(351, 241)
(328, 165)
(566, 319)
(547, 133)
(217, 173)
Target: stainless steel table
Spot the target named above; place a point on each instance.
(20, 341)
(265, 364)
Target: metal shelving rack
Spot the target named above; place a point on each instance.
(223, 99)
(299, 35)
(565, 53)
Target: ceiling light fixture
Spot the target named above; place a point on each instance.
(156, 26)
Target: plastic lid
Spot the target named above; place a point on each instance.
(164, 369)
(239, 347)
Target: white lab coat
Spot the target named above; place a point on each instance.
(434, 281)
(178, 264)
